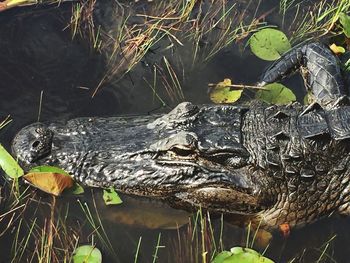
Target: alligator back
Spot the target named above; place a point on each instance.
(301, 159)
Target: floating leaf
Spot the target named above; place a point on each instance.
(223, 93)
(241, 255)
(269, 44)
(49, 182)
(276, 93)
(309, 98)
(76, 189)
(87, 254)
(344, 20)
(111, 197)
(9, 165)
(47, 169)
(337, 49)
(220, 258)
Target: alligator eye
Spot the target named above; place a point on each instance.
(228, 160)
(182, 151)
(39, 130)
(35, 144)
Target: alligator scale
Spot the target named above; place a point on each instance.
(276, 163)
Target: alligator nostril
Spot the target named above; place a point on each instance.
(35, 144)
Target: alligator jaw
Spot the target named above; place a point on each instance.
(222, 199)
(139, 160)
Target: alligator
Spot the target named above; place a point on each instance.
(274, 163)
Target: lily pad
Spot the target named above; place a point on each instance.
(87, 254)
(269, 44)
(276, 93)
(111, 197)
(344, 20)
(223, 93)
(241, 255)
(220, 258)
(9, 165)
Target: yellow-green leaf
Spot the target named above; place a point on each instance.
(337, 49)
(76, 189)
(241, 255)
(52, 183)
(47, 169)
(111, 197)
(87, 254)
(223, 93)
(269, 44)
(9, 165)
(276, 93)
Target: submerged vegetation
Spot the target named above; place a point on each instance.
(183, 36)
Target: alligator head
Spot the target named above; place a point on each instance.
(284, 163)
(191, 155)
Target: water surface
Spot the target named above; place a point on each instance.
(39, 56)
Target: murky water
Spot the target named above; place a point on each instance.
(39, 56)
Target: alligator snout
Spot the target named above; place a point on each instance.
(39, 137)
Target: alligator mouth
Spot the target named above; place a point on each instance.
(221, 199)
(205, 182)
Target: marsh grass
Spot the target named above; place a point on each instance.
(187, 34)
(322, 252)
(315, 21)
(183, 34)
(199, 240)
(7, 120)
(39, 238)
(97, 226)
(35, 230)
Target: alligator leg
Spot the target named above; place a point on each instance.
(323, 72)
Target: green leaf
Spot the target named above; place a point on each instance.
(344, 20)
(222, 256)
(223, 93)
(241, 255)
(87, 254)
(9, 165)
(347, 65)
(276, 93)
(337, 49)
(111, 197)
(308, 98)
(48, 169)
(269, 44)
(76, 189)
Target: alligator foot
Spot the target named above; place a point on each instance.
(322, 71)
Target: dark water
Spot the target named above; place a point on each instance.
(38, 55)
